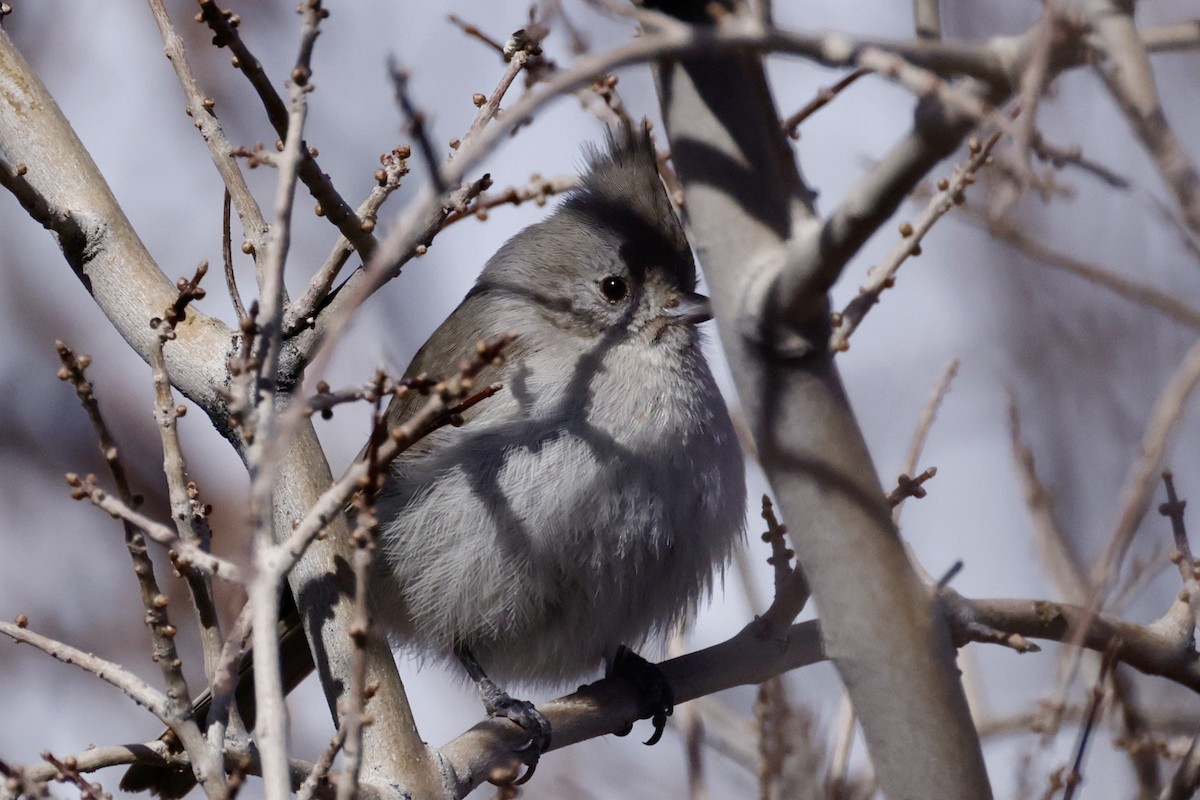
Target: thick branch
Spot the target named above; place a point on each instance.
(741, 186)
(97, 239)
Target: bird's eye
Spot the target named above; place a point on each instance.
(614, 288)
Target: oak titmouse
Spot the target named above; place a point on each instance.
(587, 505)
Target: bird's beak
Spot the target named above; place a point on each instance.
(690, 307)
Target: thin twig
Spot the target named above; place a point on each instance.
(188, 514)
(177, 710)
(1173, 510)
(439, 410)
(387, 180)
(333, 207)
(222, 712)
(925, 423)
(1075, 776)
(1135, 291)
(883, 276)
(1051, 542)
(907, 487)
(138, 690)
(68, 772)
(1135, 500)
(825, 96)
(365, 529)
(416, 125)
(183, 554)
(1033, 83)
(320, 769)
(791, 587)
(538, 190)
(263, 455)
(200, 108)
(1130, 80)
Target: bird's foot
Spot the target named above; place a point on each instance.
(656, 693)
(498, 703)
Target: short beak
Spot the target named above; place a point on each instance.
(690, 307)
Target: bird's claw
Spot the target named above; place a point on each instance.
(532, 722)
(652, 685)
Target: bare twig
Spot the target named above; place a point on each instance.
(909, 487)
(1146, 648)
(177, 703)
(883, 276)
(188, 514)
(224, 27)
(68, 772)
(1135, 500)
(222, 713)
(487, 112)
(791, 587)
(925, 423)
(539, 190)
(416, 125)
(269, 442)
(1075, 776)
(439, 410)
(1139, 484)
(387, 180)
(1033, 83)
(825, 95)
(183, 554)
(320, 769)
(1135, 291)
(1173, 510)
(1056, 557)
(1130, 80)
(363, 537)
(200, 108)
(138, 690)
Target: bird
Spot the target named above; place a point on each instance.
(588, 506)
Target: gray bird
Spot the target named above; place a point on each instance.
(588, 505)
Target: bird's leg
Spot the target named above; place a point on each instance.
(498, 703)
(651, 684)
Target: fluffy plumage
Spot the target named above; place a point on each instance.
(588, 504)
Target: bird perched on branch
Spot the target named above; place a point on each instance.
(587, 505)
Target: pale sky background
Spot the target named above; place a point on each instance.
(1084, 366)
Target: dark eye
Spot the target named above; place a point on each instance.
(614, 288)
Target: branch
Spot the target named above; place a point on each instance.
(188, 514)
(138, 690)
(882, 277)
(611, 705)
(1135, 291)
(263, 457)
(184, 554)
(224, 27)
(100, 245)
(1130, 80)
(200, 108)
(768, 261)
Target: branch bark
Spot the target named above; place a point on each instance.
(111, 262)
(767, 261)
